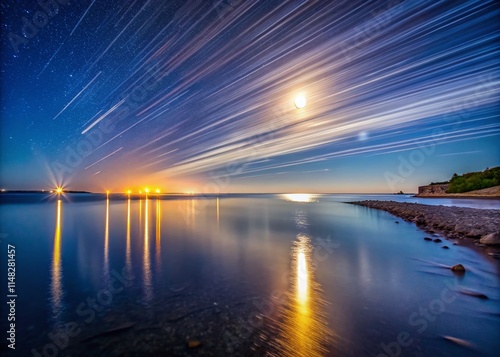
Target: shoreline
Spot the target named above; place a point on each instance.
(472, 225)
(458, 196)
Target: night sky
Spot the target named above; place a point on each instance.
(199, 95)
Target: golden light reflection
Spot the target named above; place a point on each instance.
(140, 213)
(56, 286)
(146, 257)
(217, 211)
(303, 330)
(106, 241)
(128, 263)
(302, 279)
(158, 233)
(299, 197)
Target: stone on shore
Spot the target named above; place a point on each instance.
(450, 221)
(490, 239)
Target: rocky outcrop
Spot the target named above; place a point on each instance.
(440, 191)
(433, 190)
(452, 222)
(490, 239)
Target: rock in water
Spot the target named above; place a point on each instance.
(474, 293)
(193, 344)
(459, 341)
(428, 239)
(490, 239)
(459, 268)
(437, 240)
(445, 247)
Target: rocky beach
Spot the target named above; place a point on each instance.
(481, 225)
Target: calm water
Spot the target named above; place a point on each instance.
(244, 275)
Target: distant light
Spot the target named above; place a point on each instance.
(300, 102)
(140, 192)
(299, 197)
(129, 192)
(147, 190)
(157, 191)
(59, 190)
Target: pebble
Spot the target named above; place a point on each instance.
(459, 268)
(193, 343)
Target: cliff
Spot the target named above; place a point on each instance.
(439, 190)
(433, 190)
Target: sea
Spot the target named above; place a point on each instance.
(239, 275)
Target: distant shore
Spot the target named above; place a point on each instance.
(460, 195)
(491, 193)
(451, 222)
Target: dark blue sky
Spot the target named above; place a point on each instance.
(199, 95)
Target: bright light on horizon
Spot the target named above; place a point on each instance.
(299, 197)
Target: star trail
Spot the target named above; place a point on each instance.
(114, 95)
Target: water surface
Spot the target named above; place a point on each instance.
(283, 275)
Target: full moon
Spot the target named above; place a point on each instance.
(300, 102)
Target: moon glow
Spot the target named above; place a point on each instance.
(300, 102)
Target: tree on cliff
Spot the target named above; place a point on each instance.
(474, 180)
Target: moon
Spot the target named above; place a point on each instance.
(300, 102)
